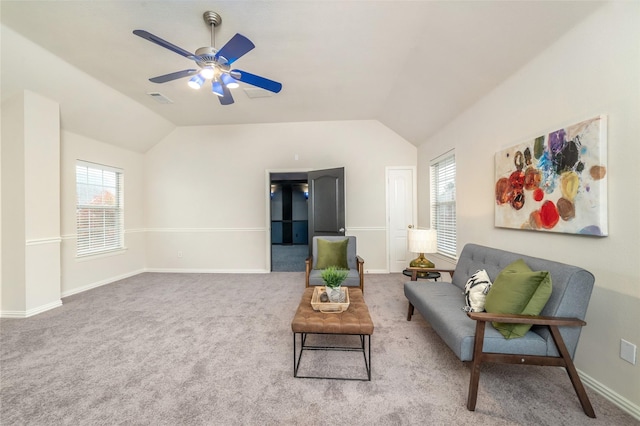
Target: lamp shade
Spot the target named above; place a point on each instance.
(422, 240)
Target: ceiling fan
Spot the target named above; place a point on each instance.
(214, 65)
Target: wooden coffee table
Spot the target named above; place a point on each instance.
(354, 321)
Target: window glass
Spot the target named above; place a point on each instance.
(99, 208)
(443, 203)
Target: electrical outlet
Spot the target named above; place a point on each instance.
(628, 351)
(179, 253)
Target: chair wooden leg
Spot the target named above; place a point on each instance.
(307, 267)
(474, 380)
(410, 312)
(572, 372)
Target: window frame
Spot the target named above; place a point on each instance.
(442, 172)
(99, 217)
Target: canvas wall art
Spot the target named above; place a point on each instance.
(556, 182)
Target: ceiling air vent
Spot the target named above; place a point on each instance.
(256, 92)
(160, 98)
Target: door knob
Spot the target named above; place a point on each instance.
(410, 226)
(341, 230)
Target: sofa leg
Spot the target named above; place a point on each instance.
(410, 312)
(572, 372)
(475, 366)
(472, 397)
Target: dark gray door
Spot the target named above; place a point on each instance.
(326, 202)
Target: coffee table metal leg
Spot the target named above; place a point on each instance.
(367, 362)
(295, 365)
(365, 346)
(297, 358)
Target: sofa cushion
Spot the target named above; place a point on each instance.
(332, 253)
(518, 290)
(353, 279)
(475, 291)
(439, 304)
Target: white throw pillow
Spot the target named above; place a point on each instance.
(475, 291)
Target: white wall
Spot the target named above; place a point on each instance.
(207, 189)
(79, 274)
(594, 69)
(31, 237)
(88, 106)
(13, 218)
(42, 202)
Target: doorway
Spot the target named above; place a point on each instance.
(289, 221)
(301, 204)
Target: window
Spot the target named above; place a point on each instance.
(99, 209)
(443, 202)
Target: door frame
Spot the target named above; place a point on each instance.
(414, 213)
(267, 180)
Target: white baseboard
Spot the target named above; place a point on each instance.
(235, 271)
(31, 312)
(208, 271)
(620, 401)
(101, 283)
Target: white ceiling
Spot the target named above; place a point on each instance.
(412, 65)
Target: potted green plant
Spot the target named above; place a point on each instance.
(333, 279)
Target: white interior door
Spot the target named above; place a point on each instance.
(401, 205)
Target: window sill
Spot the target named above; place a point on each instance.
(101, 255)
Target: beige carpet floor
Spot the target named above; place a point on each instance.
(216, 349)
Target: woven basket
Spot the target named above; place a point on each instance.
(329, 307)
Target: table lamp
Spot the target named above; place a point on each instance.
(422, 241)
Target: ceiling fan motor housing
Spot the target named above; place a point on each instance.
(207, 58)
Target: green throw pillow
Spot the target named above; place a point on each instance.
(332, 253)
(518, 290)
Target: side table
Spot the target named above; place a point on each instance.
(421, 274)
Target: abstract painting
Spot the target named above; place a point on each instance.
(556, 182)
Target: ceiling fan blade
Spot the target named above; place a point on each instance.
(173, 76)
(256, 80)
(235, 48)
(227, 99)
(160, 42)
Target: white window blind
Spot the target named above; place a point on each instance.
(99, 208)
(443, 203)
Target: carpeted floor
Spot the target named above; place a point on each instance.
(216, 349)
(288, 258)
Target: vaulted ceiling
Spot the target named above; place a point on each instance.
(412, 65)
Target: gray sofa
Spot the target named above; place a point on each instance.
(552, 340)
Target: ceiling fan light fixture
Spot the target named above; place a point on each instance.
(196, 82)
(207, 73)
(214, 65)
(216, 87)
(229, 81)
